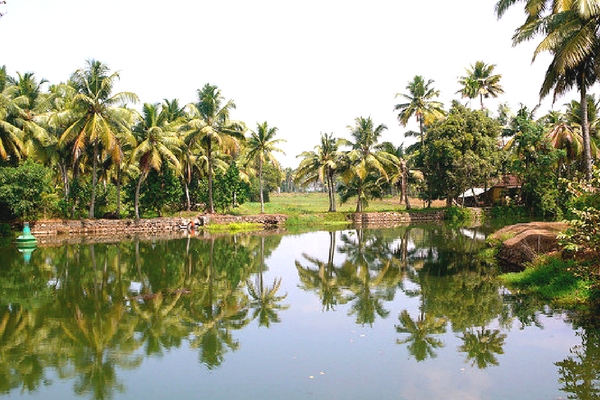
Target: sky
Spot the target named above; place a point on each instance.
(306, 67)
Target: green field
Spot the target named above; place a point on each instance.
(315, 203)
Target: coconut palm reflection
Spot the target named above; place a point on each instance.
(323, 279)
(217, 306)
(482, 346)
(580, 372)
(420, 339)
(265, 301)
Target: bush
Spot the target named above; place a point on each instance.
(22, 189)
(583, 236)
(5, 230)
(458, 215)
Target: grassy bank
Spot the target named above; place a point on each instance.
(554, 281)
(313, 203)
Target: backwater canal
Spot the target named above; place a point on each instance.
(395, 313)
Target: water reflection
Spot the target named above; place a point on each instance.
(84, 313)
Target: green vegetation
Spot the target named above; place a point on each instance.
(458, 215)
(553, 280)
(75, 149)
(234, 227)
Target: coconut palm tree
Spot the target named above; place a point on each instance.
(157, 142)
(569, 34)
(261, 145)
(100, 117)
(563, 135)
(11, 136)
(420, 104)
(55, 122)
(321, 164)
(363, 160)
(33, 102)
(209, 123)
(399, 174)
(481, 82)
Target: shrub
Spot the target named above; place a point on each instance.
(458, 215)
(22, 189)
(583, 236)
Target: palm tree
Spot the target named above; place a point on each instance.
(321, 164)
(565, 136)
(400, 172)
(101, 117)
(420, 104)
(261, 145)
(573, 115)
(11, 136)
(569, 33)
(363, 160)
(55, 122)
(32, 101)
(481, 82)
(209, 124)
(158, 142)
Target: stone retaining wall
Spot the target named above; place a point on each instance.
(130, 226)
(382, 218)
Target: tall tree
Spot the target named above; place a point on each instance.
(399, 174)
(481, 82)
(210, 125)
(363, 160)
(461, 152)
(157, 143)
(261, 145)
(11, 136)
(321, 164)
(420, 104)
(569, 33)
(100, 117)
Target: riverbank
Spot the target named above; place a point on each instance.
(534, 264)
(200, 221)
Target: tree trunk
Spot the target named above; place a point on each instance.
(260, 185)
(404, 184)
(422, 131)
(94, 182)
(585, 130)
(331, 190)
(187, 196)
(211, 206)
(359, 207)
(136, 200)
(118, 212)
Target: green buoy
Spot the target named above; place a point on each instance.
(26, 242)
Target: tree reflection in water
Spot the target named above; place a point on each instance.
(421, 343)
(580, 372)
(265, 301)
(70, 314)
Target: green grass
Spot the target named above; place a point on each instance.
(551, 279)
(312, 203)
(234, 227)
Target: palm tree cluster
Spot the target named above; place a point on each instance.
(364, 171)
(86, 132)
(458, 149)
(569, 32)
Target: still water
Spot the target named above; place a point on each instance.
(397, 313)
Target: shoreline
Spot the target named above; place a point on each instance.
(166, 225)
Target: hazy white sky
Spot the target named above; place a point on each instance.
(305, 67)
